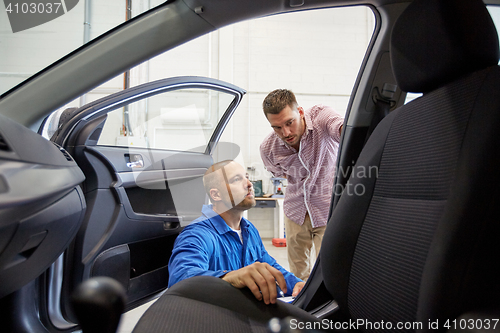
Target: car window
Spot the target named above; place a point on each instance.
(495, 15)
(315, 53)
(28, 51)
(411, 96)
(183, 119)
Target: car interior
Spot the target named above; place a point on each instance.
(418, 246)
(81, 228)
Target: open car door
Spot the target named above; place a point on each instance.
(143, 151)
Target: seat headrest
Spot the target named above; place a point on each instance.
(436, 41)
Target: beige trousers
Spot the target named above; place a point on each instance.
(303, 244)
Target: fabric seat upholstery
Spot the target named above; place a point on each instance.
(209, 304)
(420, 243)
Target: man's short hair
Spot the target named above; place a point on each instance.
(277, 100)
(213, 179)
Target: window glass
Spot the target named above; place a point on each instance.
(182, 119)
(495, 15)
(26, 52)
(315, 53)
(411, 96)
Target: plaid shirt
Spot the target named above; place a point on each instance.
(311, 170)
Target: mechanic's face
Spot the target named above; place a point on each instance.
(239, 193)
(289, 125)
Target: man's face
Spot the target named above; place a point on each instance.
(238, 192)
(288, 125)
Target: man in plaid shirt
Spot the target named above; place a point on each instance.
(303, 149)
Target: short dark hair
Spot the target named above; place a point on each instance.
(212, 179)
(277, 100)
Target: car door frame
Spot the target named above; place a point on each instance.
(78, 134)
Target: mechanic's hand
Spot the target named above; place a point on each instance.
(298, 287)
(260, 278)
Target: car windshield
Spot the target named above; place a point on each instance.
(33, 37)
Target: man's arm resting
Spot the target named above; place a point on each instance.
(260, 278)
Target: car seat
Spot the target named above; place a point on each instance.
(420, 245)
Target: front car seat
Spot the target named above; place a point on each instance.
(421, 244)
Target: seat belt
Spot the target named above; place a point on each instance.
(383, 103)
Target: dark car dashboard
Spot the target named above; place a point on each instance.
(41, 204)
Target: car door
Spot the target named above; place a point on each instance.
(143, 151)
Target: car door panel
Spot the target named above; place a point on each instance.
(138, 198)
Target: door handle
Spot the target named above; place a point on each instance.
(136, 164)
(134, 161)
